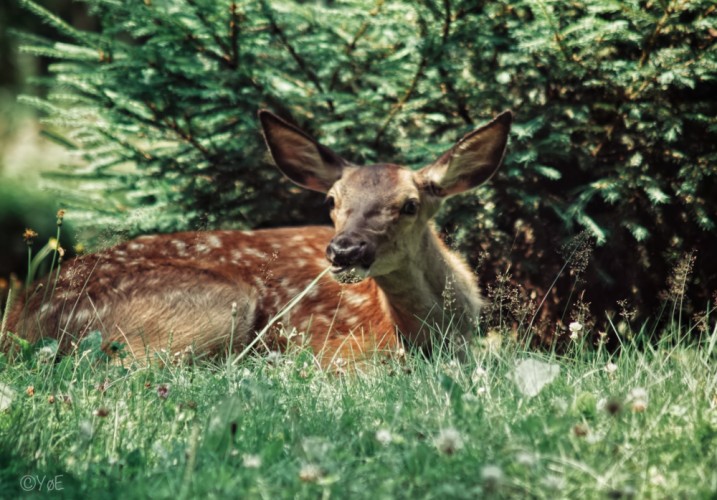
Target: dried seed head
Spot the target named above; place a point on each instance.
(29, 236)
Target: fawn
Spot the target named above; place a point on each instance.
(393, 280)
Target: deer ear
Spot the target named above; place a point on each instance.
(303, 160)
(472, 161)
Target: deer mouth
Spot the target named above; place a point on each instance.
(349, 274)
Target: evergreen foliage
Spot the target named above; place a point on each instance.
(615, 133)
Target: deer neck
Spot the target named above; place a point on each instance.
(434, 290)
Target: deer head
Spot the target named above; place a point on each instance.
(381, 212)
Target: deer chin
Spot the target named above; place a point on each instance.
(350, 274)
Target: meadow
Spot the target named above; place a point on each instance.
(145, 122)
(640, 422)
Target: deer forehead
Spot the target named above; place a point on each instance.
(385, 183)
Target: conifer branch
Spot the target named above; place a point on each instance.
(211, 30)
(354, 41)
(303, 65)
(57, 23)
(406, 95)
(460, 102)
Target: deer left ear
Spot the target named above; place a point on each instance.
(472, 161)
(303, 160)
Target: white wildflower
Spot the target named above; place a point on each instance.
(478, 375)
(575, 329)
(610, 368)
(251, 461)
(526, 459)
(384, 436)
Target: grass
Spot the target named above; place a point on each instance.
(639, 423)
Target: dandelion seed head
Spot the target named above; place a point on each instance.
(384, 436)
(637, 398)
(449, 441)
(492, 476)
(310, 473)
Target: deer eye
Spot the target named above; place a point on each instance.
(410, 208)
(331, 202)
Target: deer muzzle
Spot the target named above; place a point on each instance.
(348, 252)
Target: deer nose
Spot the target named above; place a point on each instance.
(347, 250)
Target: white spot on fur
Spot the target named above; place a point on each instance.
(214, 241)
(181, 247)
(134, 246)
(201, 248)
(247, 233)
(308, 250)
(120, 253)
(298, 238)
(354, 299)
(82, 316)
(253, 252)
(237, 256)
(300, 262)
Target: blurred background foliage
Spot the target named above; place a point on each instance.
(609, 185)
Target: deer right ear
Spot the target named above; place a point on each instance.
(472, 161)
(303, 160)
